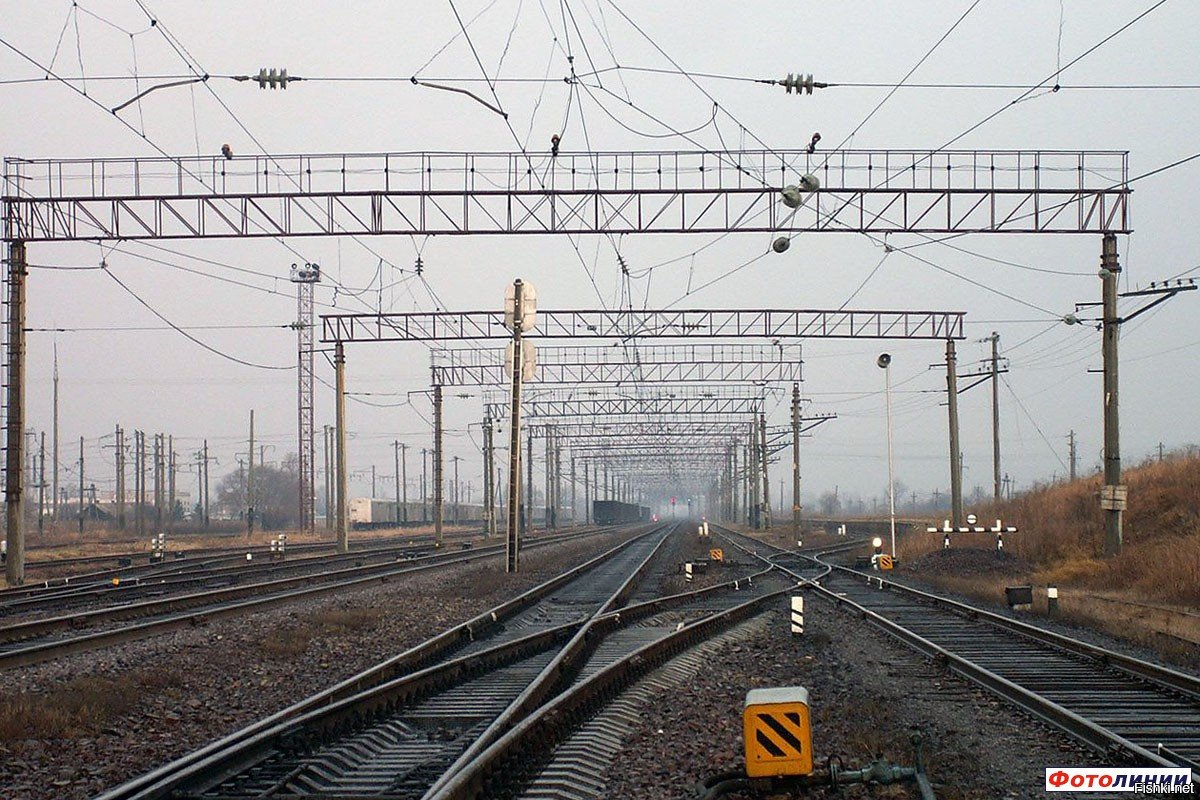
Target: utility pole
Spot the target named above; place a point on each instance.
(120, 456)
(437, 465)
(250, 482)
(489, 478)
(424, 485)
(42, 484)
(81, 484)
(766, 480)
(754, 475)
(1160, 452)
(158, 483)
(54, 435)
(170, 481)
(513, 545)
(14, 475)
(587, 496)
(139, 482)
(529, 483)
(574, 488)
(1112, 498)
(373, 495)
(995, 340)
(549, 498)
(956, 501)
(795, 459)
(327, 445)
(206, 483)
(457, 490)
(1071, 451)
(400, 503)
(339, 368)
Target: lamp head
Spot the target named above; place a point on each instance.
(884, 360)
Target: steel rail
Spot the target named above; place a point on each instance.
(177, 574)
(416, 657)
(568, 660)
(335, 714)
(513, 757)
(353, 577)
(387, 685)
(1080, 727)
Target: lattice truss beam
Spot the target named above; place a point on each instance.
(881, 191)
(585, 408)
(667, 324)
(626, 363)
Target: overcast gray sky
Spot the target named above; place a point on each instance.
(156, 380)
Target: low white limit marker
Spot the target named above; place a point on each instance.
(798, 614)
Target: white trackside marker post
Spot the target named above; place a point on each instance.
(687, 572)
(798, 614)
(1052, 599)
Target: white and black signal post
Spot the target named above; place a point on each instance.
(520, 310)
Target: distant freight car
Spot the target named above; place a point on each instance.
(367, 513)
(611, 512)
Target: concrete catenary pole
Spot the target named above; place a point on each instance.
(339, 369)
(54, 457)
(1071, 453)
(1112, 498)
(14, 475)
(766, 478)
(120, 465)
(995, 340)
(250, 481)
(956, 501)
(512, 547)
(81, 484)
(206, 518)
(437, 465)
(795, 458)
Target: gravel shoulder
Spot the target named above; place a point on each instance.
(75, 726)
(868, 692)
(1185, 660)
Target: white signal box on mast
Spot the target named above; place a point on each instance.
(528, 360)
(528, 306)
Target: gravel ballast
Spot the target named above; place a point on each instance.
(867, 694)
(75, 726)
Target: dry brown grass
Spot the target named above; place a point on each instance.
(1149, 594)
(81, 706)
(1062, 529)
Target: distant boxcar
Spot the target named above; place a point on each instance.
(611, 512)
(367, 513)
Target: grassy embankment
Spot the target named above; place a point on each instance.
(1150, 593)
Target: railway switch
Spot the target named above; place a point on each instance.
(777, 732)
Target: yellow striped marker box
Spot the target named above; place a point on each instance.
(777, 732)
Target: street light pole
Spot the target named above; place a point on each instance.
(884, 361)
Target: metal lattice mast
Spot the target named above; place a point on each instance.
(305, 278)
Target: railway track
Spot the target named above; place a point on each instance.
(140, 563)
(32, 641)
(157, 580)
(1130, 710)
(410, 734)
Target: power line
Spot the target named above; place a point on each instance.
(187, 335)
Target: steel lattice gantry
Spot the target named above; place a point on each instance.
(585, 408)
(883, 191)
(626, 364)
(625, 325)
